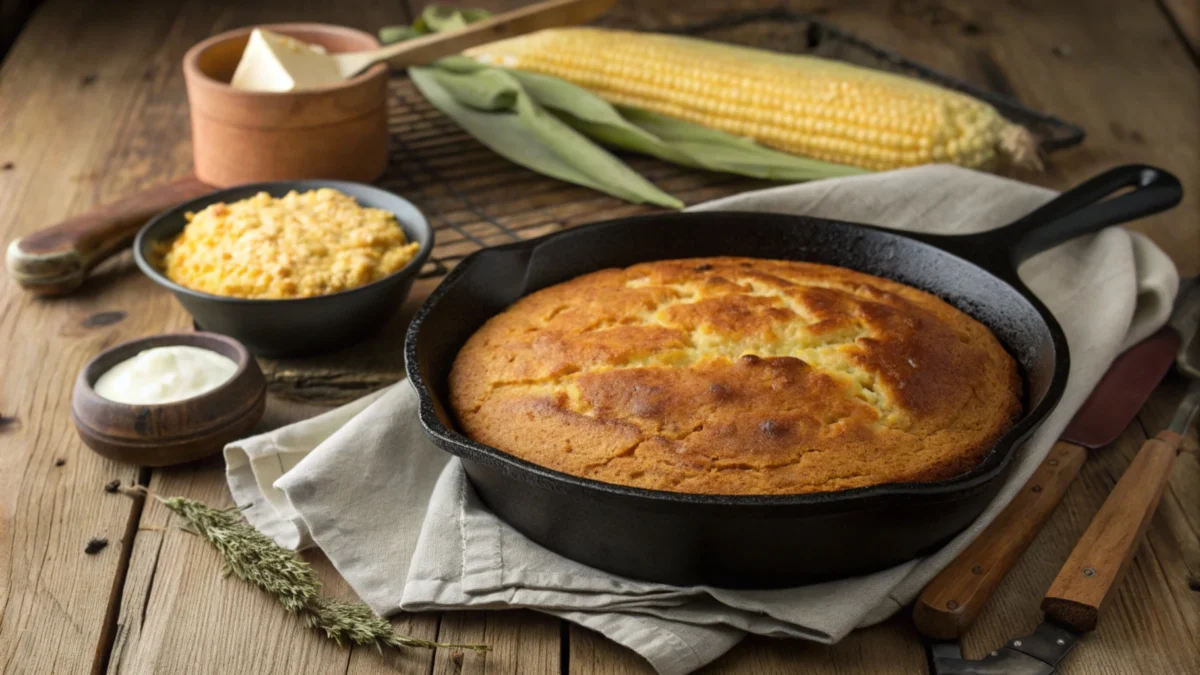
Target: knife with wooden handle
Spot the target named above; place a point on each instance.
(954, 598)
(57, 259)
(1088, 581)
(1093, 572)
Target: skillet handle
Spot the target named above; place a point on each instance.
(1087, 208)
(57, 259)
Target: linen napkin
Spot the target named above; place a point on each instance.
(399, 520)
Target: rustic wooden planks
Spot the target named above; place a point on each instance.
(177, 611)
(521, 641)
(92, 107)
(56, 603)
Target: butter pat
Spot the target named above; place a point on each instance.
(274, 62)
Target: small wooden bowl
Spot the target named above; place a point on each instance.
(336, 132)
(169, 433)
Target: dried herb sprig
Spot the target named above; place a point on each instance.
(249, 554)
(255, 558)
(355, 622)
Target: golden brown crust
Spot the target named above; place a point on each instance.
(737, 376)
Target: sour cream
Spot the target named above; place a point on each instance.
(164, 375)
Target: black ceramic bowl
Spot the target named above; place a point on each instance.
(299, 326)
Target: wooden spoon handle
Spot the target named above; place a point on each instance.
(954, 598)
(1089, 579)
(57, 259)
(550, 14)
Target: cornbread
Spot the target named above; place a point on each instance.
(737, 376)
(296, 246)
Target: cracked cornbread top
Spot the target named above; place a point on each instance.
(737, 376)
(296, 246)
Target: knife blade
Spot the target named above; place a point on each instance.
(952, 600)
(1122, 391)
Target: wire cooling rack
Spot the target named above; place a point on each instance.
(475, 199)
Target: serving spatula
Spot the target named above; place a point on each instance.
(1089, 579)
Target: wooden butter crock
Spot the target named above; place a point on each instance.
(169, 433)
(336, 132)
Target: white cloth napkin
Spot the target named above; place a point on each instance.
(399, 520)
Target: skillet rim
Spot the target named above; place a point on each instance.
(994, 463)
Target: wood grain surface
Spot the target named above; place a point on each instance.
(92, 108)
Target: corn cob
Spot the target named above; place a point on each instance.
(828, 110)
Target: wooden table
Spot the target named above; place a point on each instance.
(92, 107)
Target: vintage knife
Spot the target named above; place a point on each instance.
(954, 598)
(1092, 573)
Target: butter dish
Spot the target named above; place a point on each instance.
(176, 432)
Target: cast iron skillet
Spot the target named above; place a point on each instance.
(766, 541)
(293, 326)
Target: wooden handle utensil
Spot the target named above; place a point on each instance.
(1092, 573)
(954, 598)
(57, 259)
(427, 48)
(952, 601)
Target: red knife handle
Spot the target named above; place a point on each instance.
(57, 259)
(1089, 579)
(952, 600)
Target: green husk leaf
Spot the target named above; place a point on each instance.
(668, 138)
(253, 557)
(434, 19)
(489, 90)
(390, 34)
(459, 64)
(560, 95)
(526, 134)
(440, 19)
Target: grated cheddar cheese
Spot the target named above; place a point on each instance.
(296, 246)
